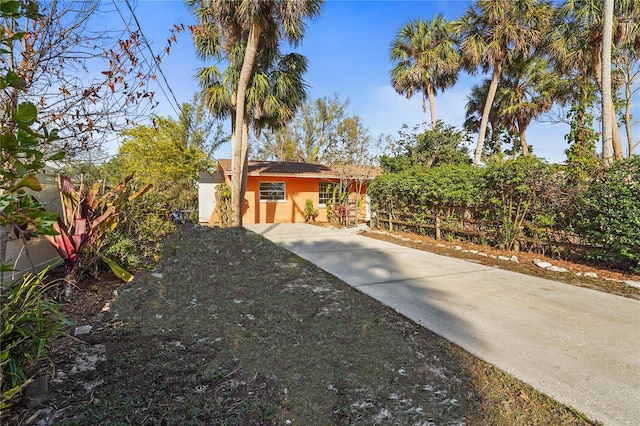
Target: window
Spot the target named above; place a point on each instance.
(325, 192)
(272, 191)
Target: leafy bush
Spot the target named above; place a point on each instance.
(136, 241)
(513, 192)
(310, 212)
(28, 321)
(418, 187)
(610, 214)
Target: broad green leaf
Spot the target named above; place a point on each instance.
(25, 113)
(10, 7)
(57, 156)
(118, 270)
(14, 80)
(30, 182)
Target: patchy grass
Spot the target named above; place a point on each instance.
(231, 329)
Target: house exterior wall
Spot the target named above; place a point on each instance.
(206, 201)
(291, 210)
(297, 190)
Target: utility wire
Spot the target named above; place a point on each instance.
(176, 106)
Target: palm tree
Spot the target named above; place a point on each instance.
(426, 60)
(527, 90)
(473, 116)
(492, 30)
(607, 100)
(575, 42)
(239, 31)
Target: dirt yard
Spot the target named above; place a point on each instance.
(230, 329)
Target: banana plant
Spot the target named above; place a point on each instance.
(87, 218)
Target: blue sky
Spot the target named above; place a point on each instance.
(348, 52)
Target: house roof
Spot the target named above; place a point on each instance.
(302, 170)
(206, 177)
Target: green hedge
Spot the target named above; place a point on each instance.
(526, 197)
(610, 214)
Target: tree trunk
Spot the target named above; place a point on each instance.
(615, 134)
(607, 104)
(627, 118)
(238, 169)
(245, 163)
(432, 105)
(485, 113)
(522, 131)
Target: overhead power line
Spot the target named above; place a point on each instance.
(171, 98)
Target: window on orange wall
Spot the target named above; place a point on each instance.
(325, 193)
(328, 192)
(272, 191)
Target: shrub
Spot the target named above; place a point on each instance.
(419, 187)
(610, 216)
(310, 212)
(513, 192)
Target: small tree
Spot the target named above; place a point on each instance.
(87, 83)
(427, 147)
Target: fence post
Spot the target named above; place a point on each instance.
(390, 224)
(437, 228)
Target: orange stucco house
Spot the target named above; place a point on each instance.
(277, 191)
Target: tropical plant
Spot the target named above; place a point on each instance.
(425, 60)
(245, 34)
(29, 320)
(492, 30)
(492, 145)
(527, 89)
(88, 217)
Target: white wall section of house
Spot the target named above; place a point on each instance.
(206, 200)
(207, 184)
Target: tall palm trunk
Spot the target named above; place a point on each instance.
(522, 132)
(238, 145)
(432, 104)
(607, 104)
(493, 88)
(245, 162)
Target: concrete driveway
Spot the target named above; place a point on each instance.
(580, 346)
